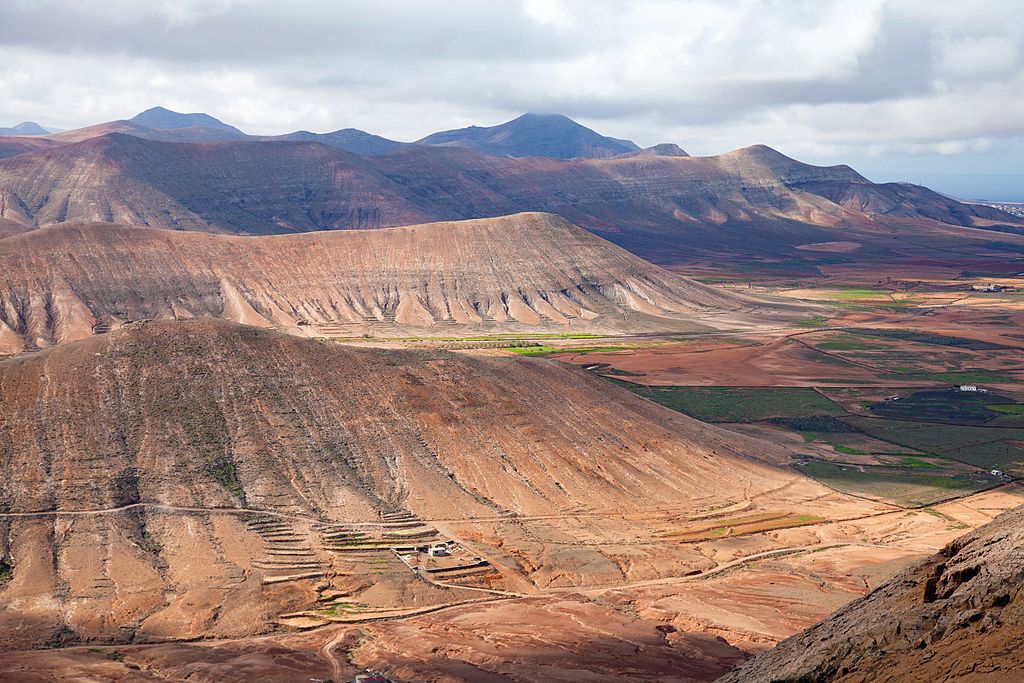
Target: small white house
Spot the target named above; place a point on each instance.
(438, 551)
(967, 387)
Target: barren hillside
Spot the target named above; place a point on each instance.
(753, 202)
(959, 616)
(521, 272)
(181, 425)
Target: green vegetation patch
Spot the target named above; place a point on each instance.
(909, 488)
(948, 406)
(542, 350)
(854, 293)
(985, 447)
(917, 463)
(815, 423)
(929, 338)
(498, 337)
(816, 321)
(740, 404)
(845, 450)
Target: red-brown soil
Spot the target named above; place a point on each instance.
(957, 616)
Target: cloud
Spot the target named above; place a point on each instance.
(821, 78)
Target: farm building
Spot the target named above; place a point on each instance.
(371, 677)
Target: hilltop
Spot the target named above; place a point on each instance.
(534, 135)
(24, 128)
(160, 118)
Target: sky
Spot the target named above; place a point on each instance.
(930, 91)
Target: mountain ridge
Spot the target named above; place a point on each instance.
(26, 128)
(534, 135)
(161, 118)
(525, 272)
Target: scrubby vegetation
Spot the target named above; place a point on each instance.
(909, 487)
(740, 404)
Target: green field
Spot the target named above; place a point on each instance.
(816, 321)
(984, 447)
(855, 294)
(929, 338)
(542, 350)
(947, 406)
(735, 404)
(909, 487)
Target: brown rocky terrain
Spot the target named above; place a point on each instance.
(523, 272)
(956, 617)
(753, 203)
(203, 479)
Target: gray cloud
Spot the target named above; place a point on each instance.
(821, 79)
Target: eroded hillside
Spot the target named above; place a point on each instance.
(205, 479)
(523, 272)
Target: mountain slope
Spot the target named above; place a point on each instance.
(959, 616)
(753, 203)
(25, 128)
(348, 139)
(160, 118)
(14, 145)
(522, 272)
(185, 480)
(534, 135)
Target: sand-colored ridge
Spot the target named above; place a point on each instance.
(526, 272)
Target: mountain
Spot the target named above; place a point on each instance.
(26, 128)
(665, 149)
(348, 139)
(527, 272)
(13, 146)
(161, 119)
(195, 134)
(534, 135)
(958, 616)
(745, 206)
(200, 479)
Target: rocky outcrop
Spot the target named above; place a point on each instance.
(959, 616)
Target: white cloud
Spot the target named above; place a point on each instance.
(820, 78)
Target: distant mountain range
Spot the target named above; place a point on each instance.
(164, 119)
(26, 128)
(534, 135)
(746, 207)
(539, 135)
